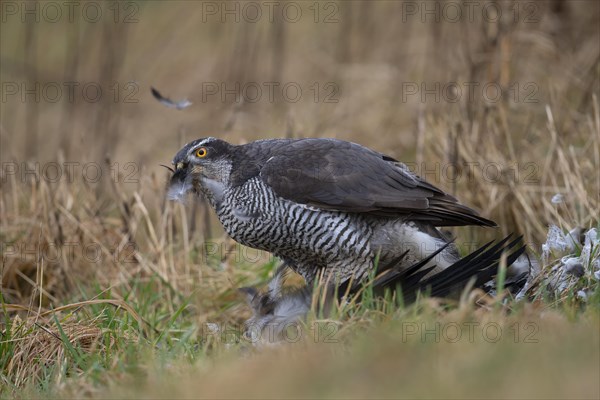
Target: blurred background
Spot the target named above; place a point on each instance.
(359, 71)
(494, 101)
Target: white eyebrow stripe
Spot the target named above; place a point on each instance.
(205, 141)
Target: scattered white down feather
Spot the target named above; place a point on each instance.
(558, 198)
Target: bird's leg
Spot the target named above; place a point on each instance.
(276, 283)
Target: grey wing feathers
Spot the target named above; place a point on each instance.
(344, 176)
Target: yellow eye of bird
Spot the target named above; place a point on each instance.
(201, 152)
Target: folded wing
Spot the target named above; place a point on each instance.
(344, 176)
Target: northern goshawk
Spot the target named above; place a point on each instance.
(334, 207)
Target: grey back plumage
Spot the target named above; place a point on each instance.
(344, 176)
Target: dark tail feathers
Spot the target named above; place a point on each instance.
(482, 265)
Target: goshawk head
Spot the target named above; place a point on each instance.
(203, 167)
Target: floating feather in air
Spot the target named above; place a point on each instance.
(178, 105)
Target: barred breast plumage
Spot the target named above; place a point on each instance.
(307, 238)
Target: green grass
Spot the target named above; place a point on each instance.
(120, 346)
(374, 348)
(146, 337)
